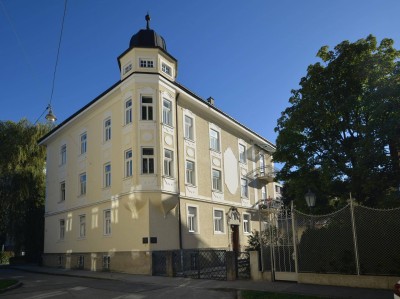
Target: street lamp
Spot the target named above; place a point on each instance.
(310, 199)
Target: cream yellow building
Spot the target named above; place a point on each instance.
(147, 166)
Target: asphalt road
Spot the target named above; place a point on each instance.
(40, 286)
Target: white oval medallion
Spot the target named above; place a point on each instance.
(190, 152)
(216, 162)
(168, 139)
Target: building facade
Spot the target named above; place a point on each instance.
(148, 165)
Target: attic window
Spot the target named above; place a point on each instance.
(127, 68)
(166, 69)
(147, 63)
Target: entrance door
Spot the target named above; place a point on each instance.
(235, 238)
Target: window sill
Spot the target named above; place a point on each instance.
(168, 177)
(219, 233)
(127, 178)
(82, 196)
(167, 125)
(107, 236)
(190, 185)
(81, 238)
(194, 233)
(215, 151)
(106, 188)
(217, 191)
(189, 139)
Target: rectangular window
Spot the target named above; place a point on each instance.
(167, 112)
(82, 181)
(63, 153)
(147, 160)
(127, 68)
(107, 175)
(82, 226)
(146, 63)
(81, 262)
(192, 219)
(83, 143)
(242, 153)
(262, 164)
(263, 192)
(190, 173)
(219, 221)
(128, 112)
(246, 224)
(216, 180)
(107, 129)
(244, 191)
(166, 69)
(62, 229)
(107, 222)
(168, 163)
(62, 191)
(214, 140)
(128, 163)
(106, 262)
(189, 128)
(147, 108)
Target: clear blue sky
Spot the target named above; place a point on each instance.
(248, 55)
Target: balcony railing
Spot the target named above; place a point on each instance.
(266, 173)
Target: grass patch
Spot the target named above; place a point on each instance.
(267, 295)
(5, 283)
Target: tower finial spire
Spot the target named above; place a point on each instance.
(147, 18)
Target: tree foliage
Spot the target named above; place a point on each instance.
(22, 185)
(341, 133)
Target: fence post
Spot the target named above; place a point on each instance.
(294, 238)
(353, 224)
(231, 265)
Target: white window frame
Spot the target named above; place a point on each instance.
(106, 262)
(128, 157)
(107, 222)
(82, 226)
(83, 143)
(146, 63)
(166, 68)
(62, 191)
(148, 161)
(246, 223)
(216, 181)
(107, 129)
(190, 174)
(219, 221)
(128, 111)
(62, 229)
(264, 192)
(193, 219)
(63, 154)
(82, 183)
(167, 112)
(127, 68)
(168, 163)
(107, 175)
(242, 153)
(146, 109)
(244, 188)
(215, 140)
(262, 163)
(189, 127)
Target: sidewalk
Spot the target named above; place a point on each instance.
(278, 287)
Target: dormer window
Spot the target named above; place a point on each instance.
(166, 69)
(147, 63)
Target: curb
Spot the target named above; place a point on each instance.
(14, 286)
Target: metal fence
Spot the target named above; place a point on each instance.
(354, 240)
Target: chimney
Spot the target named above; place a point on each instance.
(210, 100)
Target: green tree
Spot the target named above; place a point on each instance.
(341, 133)
(22, 186)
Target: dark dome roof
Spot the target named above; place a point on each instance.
(147, 38)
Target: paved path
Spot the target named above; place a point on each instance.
(226, 286)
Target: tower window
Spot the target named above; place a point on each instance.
(146, 63)
(166, 69)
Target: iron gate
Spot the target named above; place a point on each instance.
(278, 256)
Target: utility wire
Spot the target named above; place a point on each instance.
(58, 51)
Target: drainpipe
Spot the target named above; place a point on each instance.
(178, 172)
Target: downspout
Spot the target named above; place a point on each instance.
(178, 172)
